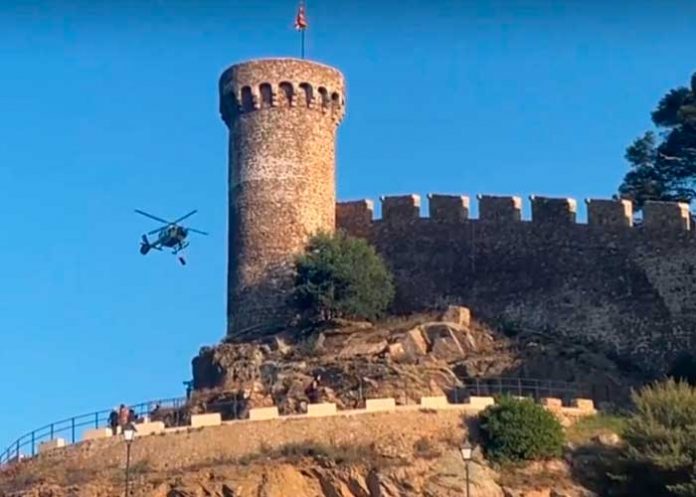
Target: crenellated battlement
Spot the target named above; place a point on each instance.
(627, 284)
(281, 83)
(357, 216)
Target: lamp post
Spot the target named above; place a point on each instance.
(466, 451)
(128, 435)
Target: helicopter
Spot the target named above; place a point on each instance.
(171, 236)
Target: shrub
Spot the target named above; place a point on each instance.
(341, 277)
(659, 458)
(520, 430)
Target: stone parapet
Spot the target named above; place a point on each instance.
(325, 409)
(260, 413)
(386, 404)
(49, 445)
(97, 434)
(201, 420)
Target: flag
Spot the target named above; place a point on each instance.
(301, 18)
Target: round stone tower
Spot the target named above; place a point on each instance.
(282, 116)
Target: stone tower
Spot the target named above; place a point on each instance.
(282, 116)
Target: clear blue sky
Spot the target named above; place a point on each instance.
(106, 109)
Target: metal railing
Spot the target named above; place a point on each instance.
(71, 429)
(459, 391)
(522, 387)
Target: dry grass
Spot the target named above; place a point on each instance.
(584, 430)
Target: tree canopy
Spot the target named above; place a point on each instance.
(341, 277)
(663, 163)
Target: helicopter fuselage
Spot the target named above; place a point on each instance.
(171, 236)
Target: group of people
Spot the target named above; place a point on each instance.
(120, 417)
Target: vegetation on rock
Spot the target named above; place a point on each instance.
(520, 430)
(664, 168)
(659, 457)
(341, 277)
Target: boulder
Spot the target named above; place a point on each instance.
(396, 351)
(444, 343)
(458, 315)
(414, 343)
(607, 439)
(449, 478)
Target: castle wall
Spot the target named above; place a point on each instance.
(282, 116)
(628, 289)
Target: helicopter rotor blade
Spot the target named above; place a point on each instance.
(155, 231)
(142, 213)
(184, 217)
(197, 231)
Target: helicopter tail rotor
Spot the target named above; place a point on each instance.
(145, 245)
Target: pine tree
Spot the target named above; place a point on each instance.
(664, 167)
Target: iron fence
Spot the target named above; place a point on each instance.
(71, 429)
(458, 391)
(521, 387)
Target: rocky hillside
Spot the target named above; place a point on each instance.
(404, 358)
(403, 453)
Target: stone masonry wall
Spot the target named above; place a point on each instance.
(629, 289)
(282, 115)
(397, 432)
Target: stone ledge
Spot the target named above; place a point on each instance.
(325, 409)
(434, 402)
(145, 429)
(260, 413)
(97, 434)
(384, 404)
(56, 443)
(201, 420)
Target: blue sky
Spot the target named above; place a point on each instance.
(106, 109)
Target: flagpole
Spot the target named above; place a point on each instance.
(304, 8)
(303, 42)
(301, 25)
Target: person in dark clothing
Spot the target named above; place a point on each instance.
(113, 422)
(132, 418)
(313, 390)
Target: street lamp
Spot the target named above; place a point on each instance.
(128, 435)
(466, 451)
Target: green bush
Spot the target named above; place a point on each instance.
(341, 277)
(659, 457)
(520, 430)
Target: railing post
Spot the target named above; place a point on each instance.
(17, 450)
(72, 429)
(96, 420)
(519, 386)
(33, 441)
(51, 431)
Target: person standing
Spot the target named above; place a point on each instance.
(123, 415)
(113, 421)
